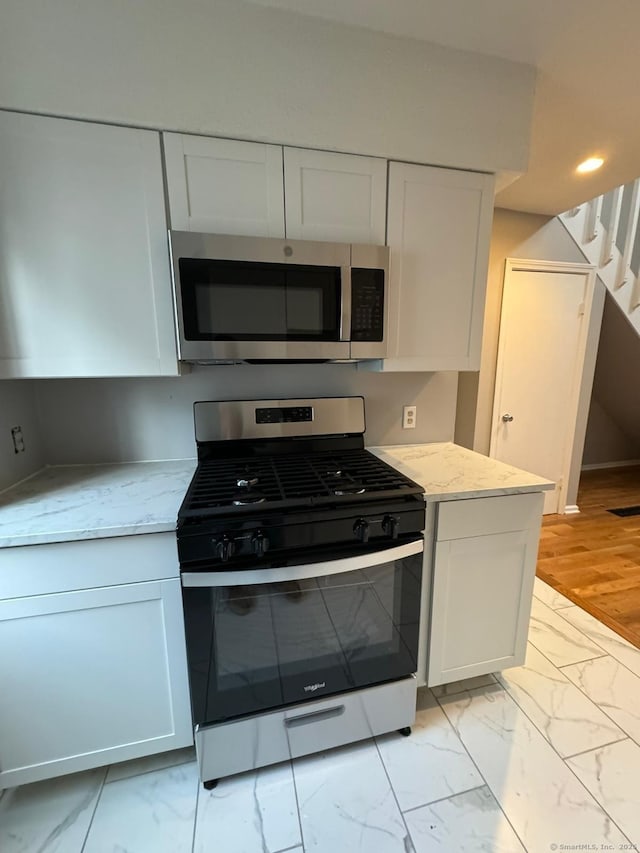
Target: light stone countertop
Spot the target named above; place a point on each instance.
(447, 471)
(70, 502)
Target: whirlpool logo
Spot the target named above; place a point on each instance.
(311, 688)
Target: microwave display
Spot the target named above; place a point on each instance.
(241, 301)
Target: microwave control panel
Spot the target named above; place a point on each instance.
(367, 304)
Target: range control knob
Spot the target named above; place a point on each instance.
(361, 529)
(224, 548)
(391, 525)
(259, 544)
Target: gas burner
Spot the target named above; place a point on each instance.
(247, 480)
(349, 489)
(247, 497)
(341, 482)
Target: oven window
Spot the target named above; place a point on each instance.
(238, 300)
(253, 648)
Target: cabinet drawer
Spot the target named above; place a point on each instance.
(245, 744)
(65, 566)
(484, 516)
(350, 717)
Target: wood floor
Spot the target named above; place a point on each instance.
(594, 558)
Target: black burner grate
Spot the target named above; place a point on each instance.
(292, 480)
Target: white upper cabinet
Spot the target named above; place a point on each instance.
(222, 186)
(228, 187)
(85, 286)
(336, 197)
(439, 233)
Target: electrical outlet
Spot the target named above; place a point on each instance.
(409, 417)
(18, 439)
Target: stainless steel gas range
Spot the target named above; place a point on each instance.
(301, 566)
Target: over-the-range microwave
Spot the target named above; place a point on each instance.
(270, 299)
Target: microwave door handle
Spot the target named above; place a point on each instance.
(345, 303)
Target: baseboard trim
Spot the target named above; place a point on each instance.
(622, 464)
(572, 509)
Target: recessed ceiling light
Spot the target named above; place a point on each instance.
(590, 165)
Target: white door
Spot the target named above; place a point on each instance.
(223, 186)
(336, 197)
(545, 316)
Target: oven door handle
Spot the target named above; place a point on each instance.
(279, 574)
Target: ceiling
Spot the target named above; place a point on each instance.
(587, 95)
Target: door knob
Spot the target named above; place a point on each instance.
(507, 418)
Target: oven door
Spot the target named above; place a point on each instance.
(260, 298)
(269, 638)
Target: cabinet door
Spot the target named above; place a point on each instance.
(85, 287)
(222, 186)
(91, 677)
(337, 197)
(482, 588)
(438, 233)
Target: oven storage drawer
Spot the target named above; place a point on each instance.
(228, 748)
(350, 717)
(461, 519)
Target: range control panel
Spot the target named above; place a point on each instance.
(287, 415)
(367, 304)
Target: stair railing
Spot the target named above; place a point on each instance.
(607, 230)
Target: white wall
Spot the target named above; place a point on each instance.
(586, 391)
(613, 430)
(230, 68)
(605, 442)
(18, 408)
(111, 420)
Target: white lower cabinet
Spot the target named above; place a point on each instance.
(484, 562)
(91, 677)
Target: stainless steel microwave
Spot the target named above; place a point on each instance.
(270, 299)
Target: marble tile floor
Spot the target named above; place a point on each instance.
(539, 758)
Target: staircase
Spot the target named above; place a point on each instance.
(606, 230)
